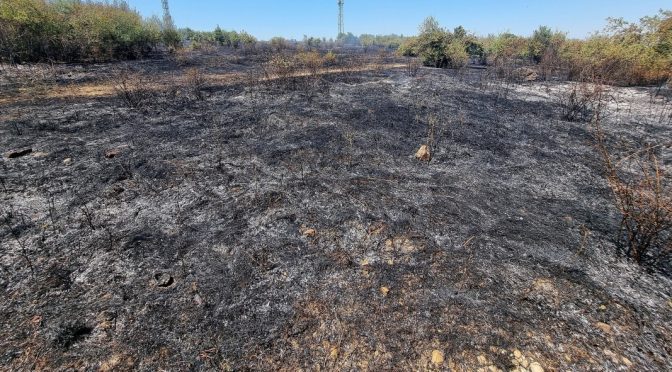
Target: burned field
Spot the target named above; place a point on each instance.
(281, 224)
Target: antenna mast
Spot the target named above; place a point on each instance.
(341, 28)
(167, 19)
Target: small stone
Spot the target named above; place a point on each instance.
(112, 153)
(437, 357)
(626, 361)
(423, 153)
(482, 360)
(40, 154)
(536, 367)
(604, 327)
(164, 280)
(603, 308)
(384, 291)
(18, 153)
(309, 233)
(333, 354)
(67, 161)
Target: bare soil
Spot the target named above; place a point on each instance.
(277, 226)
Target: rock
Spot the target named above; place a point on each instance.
(604, 327)
(437, 357)
(627, 362)
(112, 153)
(67, 161)
(526, 74)
(333, 354)
(164, 280)
(18, 153)
(384, 291)
(423, 153)
(40, 154)
(309, 233)
(536, 367)
(198, 300)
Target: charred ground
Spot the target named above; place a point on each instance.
(280, 226)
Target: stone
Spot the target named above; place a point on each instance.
(112, 153)
(18, 153)
(437, 357)
(309, 233)
(67, 161)
(164, 280)
(536, 367)
(384, 291)
(526, 74)
(627, 362)
(423, 153)
(604, 327)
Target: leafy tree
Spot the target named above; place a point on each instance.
(438, 47)
(540, 42)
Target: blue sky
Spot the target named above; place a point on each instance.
(295, 18)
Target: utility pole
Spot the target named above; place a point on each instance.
(341, 28)
(167, 19)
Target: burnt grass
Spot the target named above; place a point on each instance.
(289, 226)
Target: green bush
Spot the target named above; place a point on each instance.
(70, 30)
(625, 53)
(438, 47)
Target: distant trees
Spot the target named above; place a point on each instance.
(73, 30)
(624, 53)
(230, 39)
(630, 53)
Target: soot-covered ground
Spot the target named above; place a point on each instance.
(270, 228)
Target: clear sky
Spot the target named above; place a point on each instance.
(295, 18)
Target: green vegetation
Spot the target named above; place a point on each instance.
(230, 39)
(71, 30)
(623, 54)
(439, 47)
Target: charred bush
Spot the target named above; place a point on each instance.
(642, 192)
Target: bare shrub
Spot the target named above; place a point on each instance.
(195, 83)
(330, 59)
(413, 66)
(281, 67)
(133, 88)
(310, 61)
(642, 190)
(582, 101)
